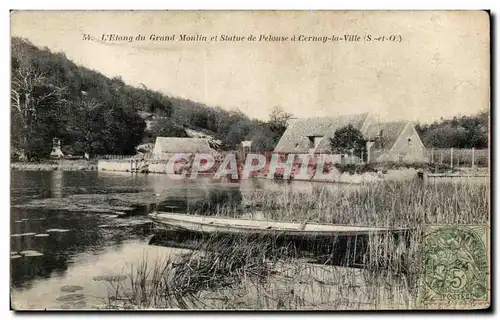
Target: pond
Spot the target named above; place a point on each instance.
(60, 256)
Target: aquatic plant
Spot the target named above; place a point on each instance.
(246, 273)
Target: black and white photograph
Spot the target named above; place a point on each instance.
(250, 160)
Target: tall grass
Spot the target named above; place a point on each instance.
(257, 273)
(396, 203)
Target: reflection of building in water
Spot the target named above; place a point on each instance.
(56, 185)
(194, 196)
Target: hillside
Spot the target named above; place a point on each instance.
(52, 97)
(458, 132)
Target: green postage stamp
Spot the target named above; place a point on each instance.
(456, 267)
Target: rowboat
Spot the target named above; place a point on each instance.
(232, 226)
(323, 243)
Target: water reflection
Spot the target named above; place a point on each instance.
(59, 247)
(87, 233)
(85, 272)
(94, 239)
(56, 188)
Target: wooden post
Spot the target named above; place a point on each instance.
(422, 176)
(451, 158)
(432, 155)
(458, 159)
(441, 156)
(473, 157)
(369, 145)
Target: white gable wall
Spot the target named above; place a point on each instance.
(404, 150)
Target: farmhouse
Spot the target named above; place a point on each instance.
(390, 141)
(165, 146)
(395, 142)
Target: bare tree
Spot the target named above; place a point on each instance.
(30, 90)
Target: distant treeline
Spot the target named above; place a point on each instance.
(459, 132)
(52, 97)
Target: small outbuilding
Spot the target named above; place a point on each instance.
(395, 142)
(165, 146)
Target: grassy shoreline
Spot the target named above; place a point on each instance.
(53, 165)
(249, 274)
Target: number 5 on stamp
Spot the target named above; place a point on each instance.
(456, 269)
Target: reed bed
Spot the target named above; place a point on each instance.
(257, 274)
(387, 204)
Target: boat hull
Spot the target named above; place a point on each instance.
(339, 245)
(210, 225)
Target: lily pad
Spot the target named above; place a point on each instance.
(99, 203)
(42, 235)
(111, 216)
(115, 278)
(27, 251)
(18, 221)
(31, 253)
(57, 230)
(71, 288)
(71, 297)
(38, 254)
(103, 226)
(15, 256)
(16, 235)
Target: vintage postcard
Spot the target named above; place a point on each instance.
(250, 160)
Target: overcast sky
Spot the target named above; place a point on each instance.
(439, 69)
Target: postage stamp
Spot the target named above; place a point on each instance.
(456, 269)
(249, 160)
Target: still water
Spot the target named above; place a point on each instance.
(60, 256)
(53, 249)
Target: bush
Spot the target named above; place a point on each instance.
(432, 167)
(355, 168)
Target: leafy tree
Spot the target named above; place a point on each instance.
(261, 141)
(92, 113)
(161, 109)
(347, 139)
(88, 130)
(167, 128)
(463, 132)
(278, 120)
